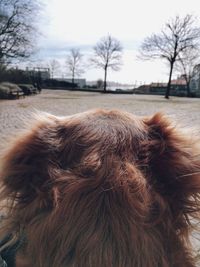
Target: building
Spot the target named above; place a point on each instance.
(178, 88)
(195, 81)
(44, 73)
(39, 74)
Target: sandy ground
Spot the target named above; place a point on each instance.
(14, 113)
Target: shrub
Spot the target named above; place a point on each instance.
(28, 89)
(10, 90)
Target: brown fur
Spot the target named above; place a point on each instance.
(102, 189)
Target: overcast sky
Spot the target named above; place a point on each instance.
(81, 23)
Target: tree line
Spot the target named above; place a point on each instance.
(178, 43)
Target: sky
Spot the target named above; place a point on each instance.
(67, 24)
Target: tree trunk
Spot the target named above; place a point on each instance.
(73, 73)
(105, 80)
(72, 78)
(188, 88)
(169, 82)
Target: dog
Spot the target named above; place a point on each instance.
(102, 188)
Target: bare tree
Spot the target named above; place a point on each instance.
(74, 63)
(177, 36)
(17, 28)
(54, 66)
(107, 54)
(185, 65)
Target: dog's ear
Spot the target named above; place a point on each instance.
(29, 165)
(173, 162)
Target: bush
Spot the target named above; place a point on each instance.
(4, 92)
(10, 91)
(28, 89)
(53, 83)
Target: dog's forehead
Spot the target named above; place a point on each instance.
(105, 121)
(104, 114)
(113, 127)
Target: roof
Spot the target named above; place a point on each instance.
(179, 82)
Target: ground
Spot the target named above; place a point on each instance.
(14, 113)
(184, 111)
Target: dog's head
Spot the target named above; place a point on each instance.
(102, 188)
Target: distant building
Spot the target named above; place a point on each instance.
(195, 81)
(80, 82)
(178, 88)
(43, 72)
(40, 74)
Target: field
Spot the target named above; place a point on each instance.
(14, 114)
